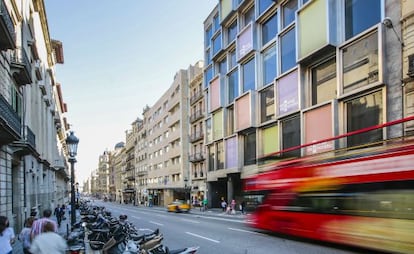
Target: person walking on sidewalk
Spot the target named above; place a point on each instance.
(48, 241)
(6, 236)
(37, 227)
(24, 235)
(59, 214)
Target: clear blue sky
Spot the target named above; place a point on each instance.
(120, 56)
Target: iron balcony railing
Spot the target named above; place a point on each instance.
(196, 116)
(196, 157)
(196, 136)
(20, 62)
(29, 137)
(195, 97)
(9, 117)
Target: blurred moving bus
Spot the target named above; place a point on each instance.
(360, 196)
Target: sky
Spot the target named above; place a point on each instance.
(118, 58)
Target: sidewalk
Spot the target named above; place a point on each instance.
(62, 230)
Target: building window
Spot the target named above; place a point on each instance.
(250, 148)
(208, 35)
(291, 136)
(208, 76)
(269, 29)
(209, 133)
(267, 104)
(269, 65)
(232, 59)
(232, 32)
(363, 112)
(324, 82)
(230, 121)
(248, 16)
(220, 155)
(264, 4)
(358, 19)
(216, 22)
(288, 51)
(208, 56)
(360, 63)
(211, 158)
(288, 12)
(233, 86)
(216, 44)
(249, 76)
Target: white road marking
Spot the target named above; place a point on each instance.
(192, 221)
(136, 217)
(156, 223)
(203, 237)
(245, 231)
(145, 229)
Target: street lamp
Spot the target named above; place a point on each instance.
(72, 143)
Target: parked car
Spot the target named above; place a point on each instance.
(178, 206)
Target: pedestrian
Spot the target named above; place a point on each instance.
(223, 204)
(205, 204)
(233, 206)
(24, 235)
(6, 236)
(48, 241)
(59, 215)
(242, 206)
(37, 227)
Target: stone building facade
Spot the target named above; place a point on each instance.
(33, 156)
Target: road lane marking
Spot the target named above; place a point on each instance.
(245, 231)
(202, 237)
(156, 223)
(136, 217)
(192, 221)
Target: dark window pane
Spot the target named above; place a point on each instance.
(291, 136)
(289, 10)
(264, 4)
(288, 50)
(361, 113)
(232, 32)
(249, 76)
(269, 65)
(360, 15)
(250, 149)
(233, 84)
(269, 29)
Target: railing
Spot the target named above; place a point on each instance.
(198, 135)
(29, 136)
(196, 116)
(8, 115)
(19, 57)
(196, 96)
(196, 157)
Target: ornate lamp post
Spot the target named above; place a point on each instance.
(72, 143)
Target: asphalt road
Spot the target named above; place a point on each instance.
(216, 233)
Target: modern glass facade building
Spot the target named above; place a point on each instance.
(279, 74)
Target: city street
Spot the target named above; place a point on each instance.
(215, 232)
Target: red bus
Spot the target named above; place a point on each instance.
(362, 197)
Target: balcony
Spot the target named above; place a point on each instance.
(196, 157)
(142, 173)
(7, 32)
(21, 68)
(196, 116)
(130, 177)
(195, 97)
(26, 145)
(10, 123)
(199, 135)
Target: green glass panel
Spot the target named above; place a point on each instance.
(271, 140)
(218, 125)
(312, 27)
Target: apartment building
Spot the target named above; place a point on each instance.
(117, 163)
(33, 155)
(167, 124)
(197, 149)
(141, 163)
(279, 74)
